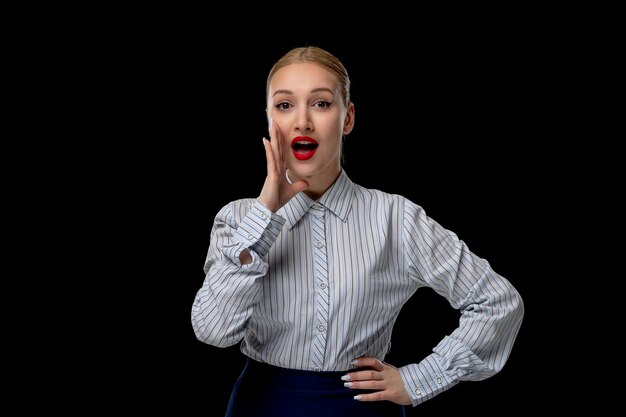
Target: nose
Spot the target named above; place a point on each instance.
(304, 123)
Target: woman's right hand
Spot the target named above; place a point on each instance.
(277, 191)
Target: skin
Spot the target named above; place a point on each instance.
(304, 99)
(383, 377)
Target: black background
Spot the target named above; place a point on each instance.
(457, 120)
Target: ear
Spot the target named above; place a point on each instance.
(348, 122)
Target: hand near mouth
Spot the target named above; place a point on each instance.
(277, 191)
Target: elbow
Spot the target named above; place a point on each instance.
(508, 308)
(518, 309)
(509, 330)
(214, 336)
(217, 342)
(511, 314)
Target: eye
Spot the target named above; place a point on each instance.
(283, 105)
(322, 104)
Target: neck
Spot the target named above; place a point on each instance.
(317, 184)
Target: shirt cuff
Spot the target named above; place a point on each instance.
(259, 229)
(426, 379)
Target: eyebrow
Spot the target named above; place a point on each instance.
(315, 90)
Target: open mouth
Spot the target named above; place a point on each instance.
(303, 147)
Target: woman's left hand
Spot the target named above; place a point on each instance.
(383, 378)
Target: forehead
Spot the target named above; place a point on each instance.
(301, 76)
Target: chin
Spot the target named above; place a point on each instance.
(297, 170)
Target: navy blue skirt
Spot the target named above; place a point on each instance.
(268, 391)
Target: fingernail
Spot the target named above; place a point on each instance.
(345, 378)
(354, 362)
(347, 384)
(357, 397)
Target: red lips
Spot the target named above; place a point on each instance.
(303, 147)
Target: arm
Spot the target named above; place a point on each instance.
(231, 288)
(491, 308)
(242, 235)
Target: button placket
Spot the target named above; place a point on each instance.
(320, 263)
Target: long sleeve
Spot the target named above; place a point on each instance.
(230, 290)
(491, 308)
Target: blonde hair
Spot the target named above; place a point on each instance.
(317, 56)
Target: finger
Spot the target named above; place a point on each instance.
(269, 156)
(276, 157)
(363, 376)
(276, 154)
(369, 362)
(370, 385)
(278, 138)
(299, 186)
(374, 396)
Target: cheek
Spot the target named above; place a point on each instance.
(330, 126)
(281, 119)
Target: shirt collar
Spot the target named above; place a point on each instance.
(337, 199)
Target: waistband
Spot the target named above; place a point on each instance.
(296, 378)
(264, 390)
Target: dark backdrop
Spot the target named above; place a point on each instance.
(456, 123)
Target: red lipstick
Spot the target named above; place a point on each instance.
(303, 147)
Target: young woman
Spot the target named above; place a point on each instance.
(311, 275)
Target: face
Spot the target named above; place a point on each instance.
(304, 101)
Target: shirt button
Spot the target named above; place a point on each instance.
(319, 244)
(321, 327)
(264, 216)
(317, 369)
(418, 392)
(323, 286)
(439, 380)
(250, 236)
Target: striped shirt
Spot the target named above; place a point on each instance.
(328, 279)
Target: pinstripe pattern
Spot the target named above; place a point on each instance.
(328, 280)
(321, 284)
